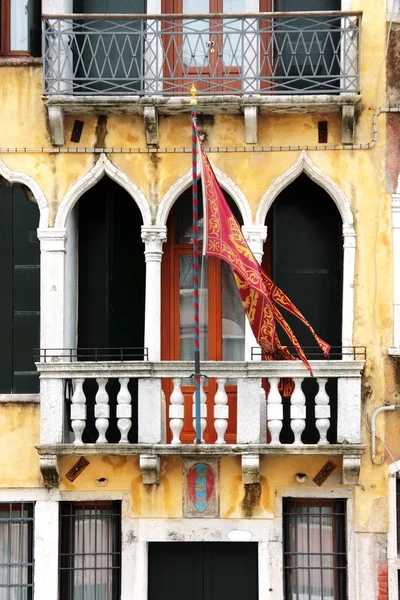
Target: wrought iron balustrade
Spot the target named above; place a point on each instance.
(235, 54)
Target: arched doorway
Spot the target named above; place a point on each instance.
(304, 255)
(222, 317)
(111, 289)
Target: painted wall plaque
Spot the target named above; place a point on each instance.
(200, 496)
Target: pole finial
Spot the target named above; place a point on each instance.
(193, 91)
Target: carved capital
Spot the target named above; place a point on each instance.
(48, 464)
(150, 468)
(250, 468)
(153, 237)
(255, 236)
(351, 469)
(52, 240)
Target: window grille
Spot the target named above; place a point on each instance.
(90, 550)
(16, 551)
(314, 549)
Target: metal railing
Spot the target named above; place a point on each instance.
(235, 54)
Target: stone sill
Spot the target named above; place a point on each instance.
(19, 398)
(395, 352)
(255, 369)
(354, 450)
(210, 105)
(20, 61)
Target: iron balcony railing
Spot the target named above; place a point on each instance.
(235, 54)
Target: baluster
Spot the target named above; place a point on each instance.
(124, 410)
(78, 411)
(298, 410)
(176, 411)
(102, 410)
(203, 409)
(221, 411)
(322, 411)
(274, 410)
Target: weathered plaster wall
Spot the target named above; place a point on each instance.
(360, 174)
(19, 460)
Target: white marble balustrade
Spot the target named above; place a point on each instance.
(260, 415)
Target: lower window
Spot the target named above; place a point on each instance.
(90, 550)
(314, 549)
(16, 551)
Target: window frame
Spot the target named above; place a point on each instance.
(28, 568)
(67, 550)
(33, 18)
(289, 551)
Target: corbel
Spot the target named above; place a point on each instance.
(250, 124)
(351, 469)
(48, 464)
(348, 123)
(151, 125)
(150, 468)
(250, 468)
(56, 123)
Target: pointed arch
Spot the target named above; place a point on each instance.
(34, 187)
(102, 167)
(185, 181)
(305, 165)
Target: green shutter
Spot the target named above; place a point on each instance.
(6, 289)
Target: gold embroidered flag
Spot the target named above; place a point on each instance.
(223, 238)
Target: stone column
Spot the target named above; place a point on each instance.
(46, 549)
(153, 237)
(255, 236)
(349, 258)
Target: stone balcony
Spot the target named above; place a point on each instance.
(119, 408)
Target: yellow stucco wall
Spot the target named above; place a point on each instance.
(19, 460)
(360, 174)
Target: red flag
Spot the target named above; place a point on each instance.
(223, 238)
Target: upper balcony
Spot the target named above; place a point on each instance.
(272, 61)
(97, 404)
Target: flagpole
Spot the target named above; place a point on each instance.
(196, 337)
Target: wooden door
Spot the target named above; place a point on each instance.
(203, 571)
(207, 52)
(222, 317)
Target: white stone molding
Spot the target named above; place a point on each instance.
(153, 237)
(393, 556)
(29, 182)
(56, 124)
(186, 180)
(305, 165)
(250, 123)
(351, 470)
(50, 470)
(46, 544)
(102, 167)
(396, 266)
(250, 468)
(52, 286)
(150, 468)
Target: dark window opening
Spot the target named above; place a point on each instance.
(314, 549)
(16, 551)
(90, 550)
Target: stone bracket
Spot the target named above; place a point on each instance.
(150, 468)
(56, 123)
(250, 124)
(348, 123)
(151, 125)
(48, 464)
(351, 469)
(250, 468)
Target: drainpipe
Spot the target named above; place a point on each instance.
(373, 418)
